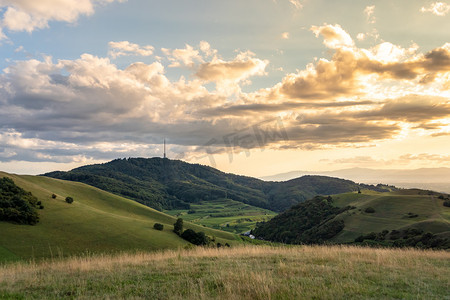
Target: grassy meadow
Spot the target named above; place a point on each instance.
(245, 272)
(96, 222)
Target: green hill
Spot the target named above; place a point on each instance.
(172, 184)
(97, 221)
(406, 215)
(167, 184)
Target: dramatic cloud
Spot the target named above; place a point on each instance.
(350, 68)
(28, 15)
(437, 8)
(411, 108)
(91, 107)
(126, 48)
(89, 100)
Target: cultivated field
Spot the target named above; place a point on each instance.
(224, 214)
(250, 272)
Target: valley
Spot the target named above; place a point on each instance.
(208, 201)
(224, 214)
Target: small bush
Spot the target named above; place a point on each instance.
(69, 200)
(158, 226)
(41, 206)
(369, 210)
(447, 203)
(53, 196)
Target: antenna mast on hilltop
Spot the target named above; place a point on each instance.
(164, 148)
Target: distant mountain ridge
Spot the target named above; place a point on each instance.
(161, 183)
(437, 179)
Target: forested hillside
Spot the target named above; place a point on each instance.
(309, 222)
(173, 184)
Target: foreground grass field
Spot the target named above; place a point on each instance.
(95, 222)
(250, 272)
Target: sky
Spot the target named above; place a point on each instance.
(253, 87)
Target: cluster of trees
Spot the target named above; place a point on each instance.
(196, 238)
(308, 222)
(410, 237)
(17, 205)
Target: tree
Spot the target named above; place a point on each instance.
(158, 226)
(53, 196)
(69, 200)
(178, 226)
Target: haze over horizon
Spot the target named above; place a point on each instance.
(250, 87)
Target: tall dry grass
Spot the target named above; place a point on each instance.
(248, 272)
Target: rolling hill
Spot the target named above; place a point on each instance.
(204, 195)
(344, 217)
(97, 221)
(166, 184)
